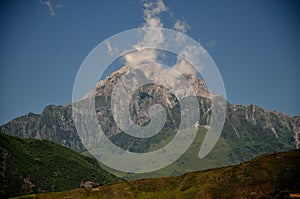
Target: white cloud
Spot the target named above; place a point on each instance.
(154, 37)
(111, 51)
(181, 26)
(188, 55)
(184, 67)
(51, 7)
(134, 59)
(152, 10)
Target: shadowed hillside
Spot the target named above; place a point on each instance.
(33, 166)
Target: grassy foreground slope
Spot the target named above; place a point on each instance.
(33, 166)
(268, 176)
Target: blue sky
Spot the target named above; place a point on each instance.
(255, 45)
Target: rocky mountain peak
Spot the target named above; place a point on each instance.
(106, 86)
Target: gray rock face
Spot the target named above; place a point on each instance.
(250, 130)
(253, 131)
(296, 129)
(54, 124)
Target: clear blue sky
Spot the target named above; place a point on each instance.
(255, 44)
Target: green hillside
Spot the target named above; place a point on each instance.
(268, 176)
(33, 166)
(226, 152)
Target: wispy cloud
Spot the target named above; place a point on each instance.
(51, 8)
(111, 50)
(151, 11)
(109, 47)
(211, 44)
(59, 5)
(181, 26)
(189, 53)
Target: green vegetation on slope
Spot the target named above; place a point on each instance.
(220, 156)
(33, 166)
(227, 151)
(268, 176)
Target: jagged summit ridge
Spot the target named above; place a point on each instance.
(106, 86)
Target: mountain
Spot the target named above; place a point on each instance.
(249, 130)
(35, 166)
(268, 176)
(54, 124)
